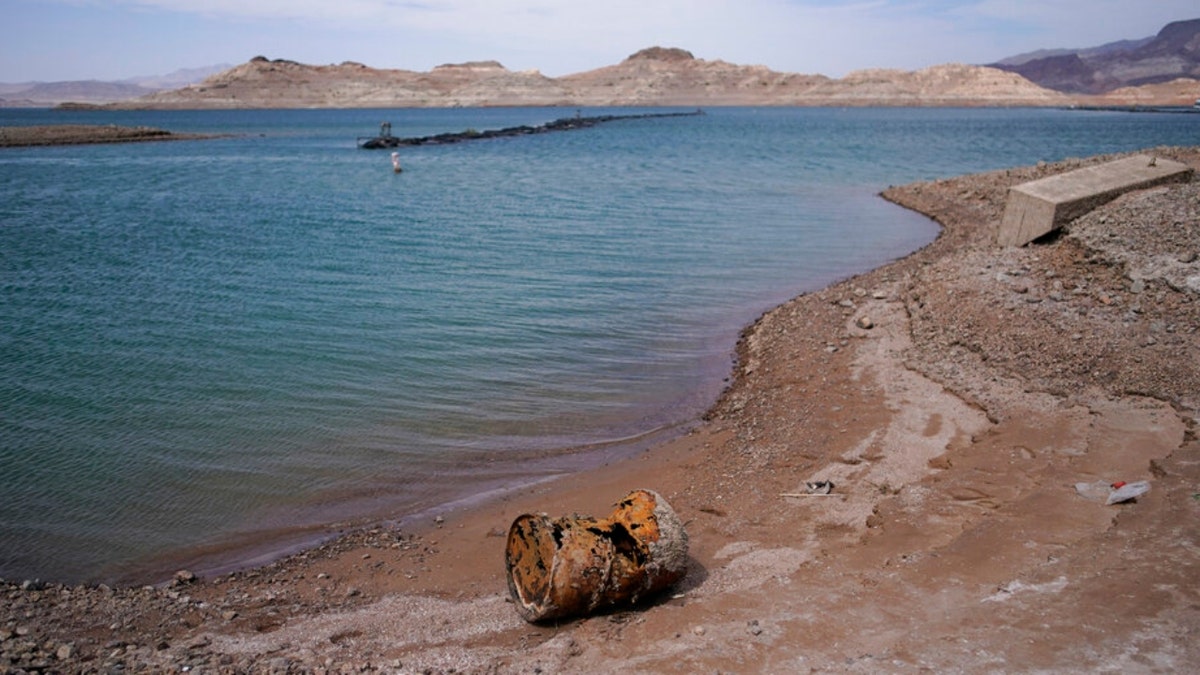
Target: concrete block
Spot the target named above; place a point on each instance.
(1041, 206)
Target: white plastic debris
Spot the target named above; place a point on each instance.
(1112, 493)
(1128, 491)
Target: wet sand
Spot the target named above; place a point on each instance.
(954, 398)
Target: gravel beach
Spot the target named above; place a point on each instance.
(955, 399)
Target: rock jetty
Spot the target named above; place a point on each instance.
(561, 124)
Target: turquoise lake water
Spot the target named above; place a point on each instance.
(213, 350)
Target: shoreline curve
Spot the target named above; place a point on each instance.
(952, 398)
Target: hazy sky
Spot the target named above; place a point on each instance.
(113, 39)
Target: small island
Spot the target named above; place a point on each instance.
(78, 134)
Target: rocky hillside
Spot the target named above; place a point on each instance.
(1172, 54)
(662, 76)
(1178, 92)
(652, 77)
(280, 83)
(945, 85)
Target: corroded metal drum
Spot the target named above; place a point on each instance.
(572, 566)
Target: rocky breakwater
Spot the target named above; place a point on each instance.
(561, 124)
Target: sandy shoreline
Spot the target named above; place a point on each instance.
(954, 397)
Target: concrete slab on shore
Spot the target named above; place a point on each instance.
(1039, 207)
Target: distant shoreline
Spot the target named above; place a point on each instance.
(86, 134)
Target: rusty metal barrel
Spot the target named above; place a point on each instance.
(576, 565)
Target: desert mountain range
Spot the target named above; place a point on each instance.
(43, 94)
(1172, 54)
(652, 77)
(1163, 70)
